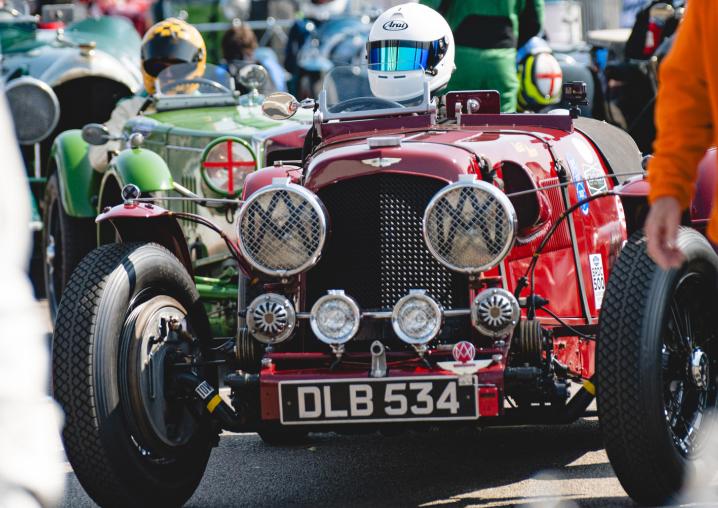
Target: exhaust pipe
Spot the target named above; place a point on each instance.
(378, 360)
(213, 403)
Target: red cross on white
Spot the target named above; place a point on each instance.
(229, 164)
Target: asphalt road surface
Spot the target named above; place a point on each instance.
(544, 466)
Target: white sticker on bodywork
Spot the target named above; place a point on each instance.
(599, 281)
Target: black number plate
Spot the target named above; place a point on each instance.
(377, 400)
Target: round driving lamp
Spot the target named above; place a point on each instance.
(335, 318)
(416, 318)
(470, 226)
(271, 318)
(495, 312)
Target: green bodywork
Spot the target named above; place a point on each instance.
(78, 181)
(173, 145)
(174, 141)
(57, 59)
(144, 168)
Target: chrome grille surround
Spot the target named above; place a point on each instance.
(282, 229)
(470, 226)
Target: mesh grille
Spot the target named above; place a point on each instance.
(376, 252)
(281, 230)
(34, 111)
(469, 228)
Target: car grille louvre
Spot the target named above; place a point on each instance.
(376, 251)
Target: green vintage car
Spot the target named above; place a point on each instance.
(59, 76)
(181, 141)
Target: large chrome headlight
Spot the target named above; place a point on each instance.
(470, 226)
(335, 318)
(35, 109)
(282, 229)
(416, 318)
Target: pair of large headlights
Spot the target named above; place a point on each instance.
(416, 317)
(469, 226)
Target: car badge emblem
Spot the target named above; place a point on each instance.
(381, 162)
(464, 352)
(464, 364)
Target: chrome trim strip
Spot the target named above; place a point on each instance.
(387, 314)
(184, 148)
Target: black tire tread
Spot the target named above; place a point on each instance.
(78, 235)
(72, 372)
(634, 445)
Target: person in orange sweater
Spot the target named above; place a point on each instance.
(686, 112)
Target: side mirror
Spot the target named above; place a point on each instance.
(662, 11)
(252, 76)
(95, 134)
(280, 106)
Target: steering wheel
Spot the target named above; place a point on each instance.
(363, 104)
(197, 81)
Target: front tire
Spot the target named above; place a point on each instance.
(656, 365)
(128, 435)
(65, 240)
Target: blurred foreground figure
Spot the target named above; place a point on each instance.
(31, 471)
(687, 99)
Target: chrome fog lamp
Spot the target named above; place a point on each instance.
(416, 318)
(495, 312)
(282, 229)
(335, 318)
(470, 225)
(271, 318)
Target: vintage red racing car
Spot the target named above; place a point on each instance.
(422, 265)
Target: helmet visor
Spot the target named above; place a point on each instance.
(389, 56)
(160, 52)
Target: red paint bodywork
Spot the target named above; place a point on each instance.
(541, 145)
(151, 223)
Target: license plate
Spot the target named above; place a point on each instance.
(377, 400)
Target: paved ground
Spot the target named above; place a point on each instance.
(559, 466)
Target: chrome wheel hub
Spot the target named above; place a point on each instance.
(700, 369)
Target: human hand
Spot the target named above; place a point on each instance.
(661, 230)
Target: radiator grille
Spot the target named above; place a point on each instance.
(376, 250)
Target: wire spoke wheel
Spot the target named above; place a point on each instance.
(689, 363)
(656, 367)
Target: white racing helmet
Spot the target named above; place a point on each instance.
(322, 10)
(406, 43)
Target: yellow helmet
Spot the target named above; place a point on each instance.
(170, 42)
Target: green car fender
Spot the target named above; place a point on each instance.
(79, 182)
(143, 168)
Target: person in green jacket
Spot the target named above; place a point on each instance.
(487, 33)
